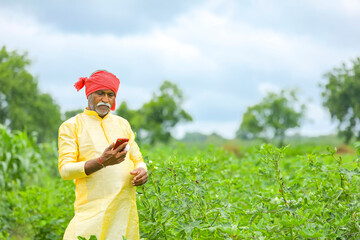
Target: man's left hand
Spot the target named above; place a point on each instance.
(140, 178)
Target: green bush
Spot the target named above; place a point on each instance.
(20, 159)
(193, 193)
(40, 213)
(212, 194)
(35, 203)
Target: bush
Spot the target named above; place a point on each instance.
(35, 203)
(20, 159)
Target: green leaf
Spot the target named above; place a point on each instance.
(350, 173)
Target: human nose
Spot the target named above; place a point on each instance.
(105, 98)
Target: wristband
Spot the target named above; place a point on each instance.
(101, 163)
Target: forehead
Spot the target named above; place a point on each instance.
(105, 91)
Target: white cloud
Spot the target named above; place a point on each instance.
(351, 7)
(267, 87)
(14, 23)
(58, 52)
(225, 41)
(221, 61)
(346, 8)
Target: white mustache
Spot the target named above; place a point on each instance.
(103, 104)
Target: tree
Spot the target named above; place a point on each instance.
(22, 106)
(156, 118)
(133, 116)
(341, 95)
(272, 117)
(163, 112)
(251, 127)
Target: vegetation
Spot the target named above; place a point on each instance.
(22, 105)
(154, 121)
(264, 195)
(209, 188)
(263, 192)
(341, 96)
(19, 154)
(34, 198)
(272, 117)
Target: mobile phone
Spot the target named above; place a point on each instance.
(120, 141)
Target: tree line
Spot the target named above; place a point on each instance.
(154, 121)
(24, 107)
(276, 113)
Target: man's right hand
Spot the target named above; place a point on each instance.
(109, 157)
(113, 156)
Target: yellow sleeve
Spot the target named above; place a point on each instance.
(134, 151)
(68, 165)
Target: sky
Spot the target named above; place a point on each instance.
(225, 55)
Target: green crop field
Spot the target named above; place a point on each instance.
(255, 192)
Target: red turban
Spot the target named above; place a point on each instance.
(100, 80)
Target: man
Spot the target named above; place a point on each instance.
(105, 178)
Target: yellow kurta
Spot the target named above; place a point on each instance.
(105, 204)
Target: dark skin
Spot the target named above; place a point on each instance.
(110, 156)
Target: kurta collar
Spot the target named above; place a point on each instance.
(94, 113)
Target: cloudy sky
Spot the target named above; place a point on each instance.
(224, 55)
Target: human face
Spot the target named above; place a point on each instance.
(101, 101)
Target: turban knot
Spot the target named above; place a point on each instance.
(100, 80)
(80, 84)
